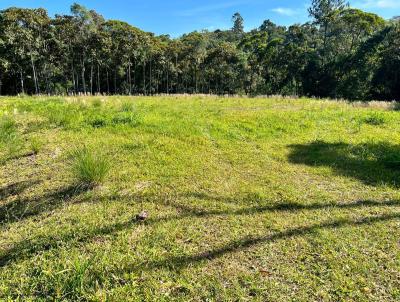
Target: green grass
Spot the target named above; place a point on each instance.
(248, 200)
(8, 129)
(89, 167)
(375, 119)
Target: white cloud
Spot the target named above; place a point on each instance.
(285, 11)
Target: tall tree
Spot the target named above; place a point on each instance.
(343, 52)
(324, 13)
(238, 24)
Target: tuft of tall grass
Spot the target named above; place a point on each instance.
(97, 119)
(62, 117)
(89, 167)
(10, 142)
(126, 118)
(97, 103)
(375, 119)
(127, 107)
(36, 145)
(8, 129)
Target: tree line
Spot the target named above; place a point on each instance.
(341, 52)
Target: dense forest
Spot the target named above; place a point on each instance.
(341, 53)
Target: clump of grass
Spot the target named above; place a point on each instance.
(8, 129)
(89, 167)
(126, 118)
(62, 117)
(396, 106)
(97, 120)
(36, 145)
(97, 103)
(10, 142)
(127, 107)
(375, 119)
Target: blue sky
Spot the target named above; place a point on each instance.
(176, 17)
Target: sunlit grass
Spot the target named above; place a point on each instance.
(248, 199)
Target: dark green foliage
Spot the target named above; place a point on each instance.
(343, 53)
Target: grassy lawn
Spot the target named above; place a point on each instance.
(248, 200)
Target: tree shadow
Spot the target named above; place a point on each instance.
(373, 164)
(27, 248)
(180, 262)
(17, 188)
(283, 207)
(243, 199)
(23, 208)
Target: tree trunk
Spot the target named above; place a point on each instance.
(177, 74)
(34, 75)
(167, 80)
(134, 74)
(73, 76)
(115, 81)
(47, 78)
(130, 78)
(77, 82)
(195, 77)
(83, 75)
(144, 77)
(98, 79)
(91, 79)
(108, 84)
(158, 82)
(151, 80)
(22, 81)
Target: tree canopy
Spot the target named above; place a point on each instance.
(341, 53)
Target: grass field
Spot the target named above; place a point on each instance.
(248, 200)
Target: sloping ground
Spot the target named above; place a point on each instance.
(249, 199)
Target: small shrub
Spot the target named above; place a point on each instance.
(8, 129)
(396, 106)
(89, 167)
(375, 119)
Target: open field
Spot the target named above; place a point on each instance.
(248, 200)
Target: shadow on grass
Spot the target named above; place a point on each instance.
(28, 248)
(23, 208)
(372, 164)
(17, 188)
(179, 262)
(283, 207)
